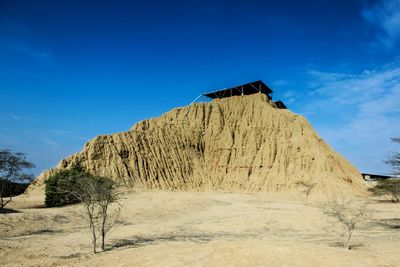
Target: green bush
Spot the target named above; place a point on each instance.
(60, 185)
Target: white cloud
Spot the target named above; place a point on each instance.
(279, 83)
(361, 110)
(18, 38)
(48, 141)
(81, 138)
(25, 49)
(347, 88)
(386, 16)
(15, 117)
(60, 132)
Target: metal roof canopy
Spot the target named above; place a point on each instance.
(244, 89)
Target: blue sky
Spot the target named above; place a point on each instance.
(71, 70)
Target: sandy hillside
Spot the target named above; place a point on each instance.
(236, 144)
(199, 229)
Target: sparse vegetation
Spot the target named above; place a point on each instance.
(394, 159)
(305, 187)
(59, 187)
(96, 194)
(12, 165)
(349, 214)
(389, 187)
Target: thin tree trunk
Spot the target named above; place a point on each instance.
(91, 223)
(94, 242)
(103, 236)
(103, 226)
(3, 201)
(348, 246)
(2, 204)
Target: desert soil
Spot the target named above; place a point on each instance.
(199, 229)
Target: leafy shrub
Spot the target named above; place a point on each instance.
(60, 185)
(98, 195)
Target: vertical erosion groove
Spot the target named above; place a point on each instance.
(234, 144)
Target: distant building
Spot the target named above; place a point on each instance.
(373, 177)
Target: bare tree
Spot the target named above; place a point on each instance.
(391, 186)
(349, 213)
(100, 198)
(394, 159)
(306, 188)
(11, 172)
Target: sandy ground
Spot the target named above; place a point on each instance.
(199, 229)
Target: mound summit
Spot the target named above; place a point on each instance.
(238, 143)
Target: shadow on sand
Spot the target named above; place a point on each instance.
(391, 223)
(5, 210)
(139, 241)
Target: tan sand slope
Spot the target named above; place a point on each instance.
(209, 229)
(241, 143)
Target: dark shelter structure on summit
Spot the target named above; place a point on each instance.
(243, 89)
(246, 89)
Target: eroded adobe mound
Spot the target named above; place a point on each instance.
(241, 143)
